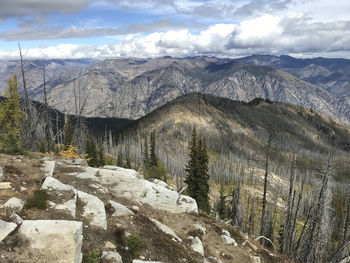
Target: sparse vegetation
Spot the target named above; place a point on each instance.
(135, 244)
(92, 256)
(37, 200)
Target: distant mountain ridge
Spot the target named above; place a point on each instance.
(131, 88)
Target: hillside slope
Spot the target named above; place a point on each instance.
(239, 130)
(131, 88)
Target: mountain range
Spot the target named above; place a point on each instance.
(131, 88)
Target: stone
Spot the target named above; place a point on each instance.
(5, 185)
(214, 260)
(136, 208)
(77, 161)
(6, 228)
(162, 183)
(228, 240)
(226, 233)
(110, 245)
(197, 246)
(14, 203)
(255, 259)
(111, 257)
(1, 175)
(124, 182)
(166, 230)
(141, 261)
(53, 240)
(202, 229)
(52, 184)
(49, 168)
(250, 245)
(119, 209)
(93, 210)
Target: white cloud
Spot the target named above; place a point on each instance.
(290, 34)
(41, 33)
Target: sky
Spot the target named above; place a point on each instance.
(100, 29)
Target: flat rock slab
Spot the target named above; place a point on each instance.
(94, 210)
(119, 209)
(5, 229)
(166, 230)
(124, 182)
(56, 241)
(49, 168)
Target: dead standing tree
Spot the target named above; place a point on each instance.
(80, 100)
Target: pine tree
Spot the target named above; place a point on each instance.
(222, 209)
(153, 156)
(10, 117)
(197, 172)
(120, 160)
(101, 156)
(145, 152)
(68, 133)
(91, 151)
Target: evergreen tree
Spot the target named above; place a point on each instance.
(68, 133)
(101, 156)
(10, 116)
(197, 172)
(120, 160)
(222, 209)
(145, 152)
(128, 162)
(153, 156)
(91, 151)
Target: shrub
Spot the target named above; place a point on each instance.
(135, 244)
(38, 200)
(92, 256)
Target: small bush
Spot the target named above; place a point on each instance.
(92, 256)
(38, 200)
(135, 244)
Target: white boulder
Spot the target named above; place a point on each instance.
(94, 210)
(197, 246)
(111, 257)
(51, 183)
(6, 228)
(49, 168)
(166, 230)
(228, 240)
(53, 240)
(14, 203)
(119, 209)
(123, 182)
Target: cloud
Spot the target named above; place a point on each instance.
(20, 8)
(34, 33)
(290, 34)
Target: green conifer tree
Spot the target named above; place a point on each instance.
(145, 152)
(120, 159)
(68, 133)
(10, 117)
(91, 151)
(197, 172)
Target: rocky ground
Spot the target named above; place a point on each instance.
(107, 214)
